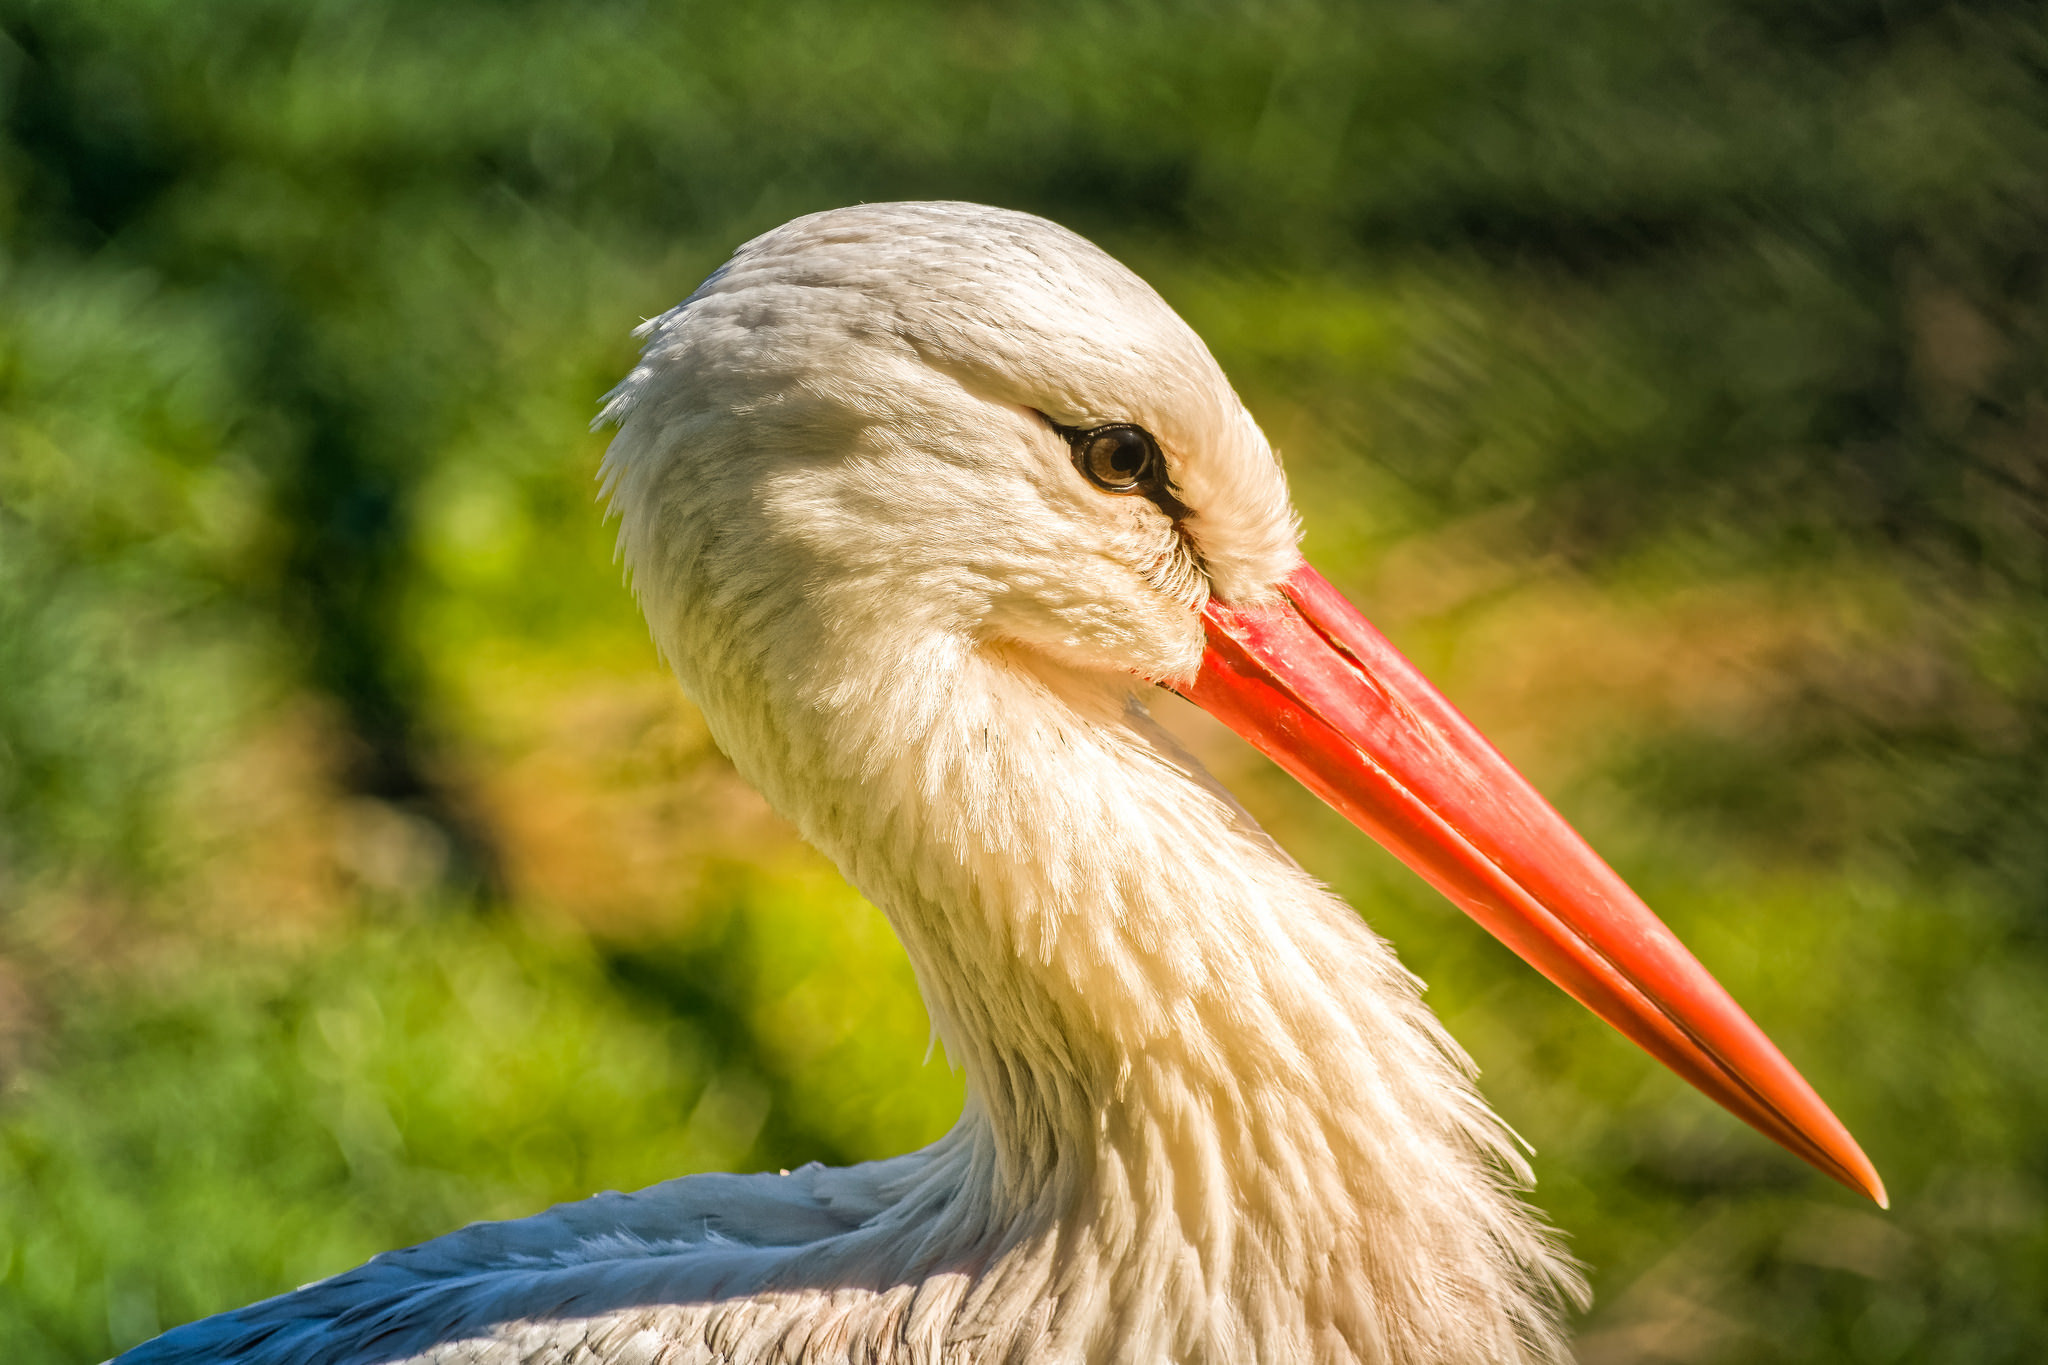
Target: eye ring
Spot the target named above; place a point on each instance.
(1118, 458)
(1122, 458)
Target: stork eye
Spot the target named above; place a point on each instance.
(1117, 459)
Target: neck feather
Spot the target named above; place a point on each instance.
(1193, 1073)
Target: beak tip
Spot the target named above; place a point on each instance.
(1855, 1170)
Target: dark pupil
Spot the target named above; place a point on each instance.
(1117, 457)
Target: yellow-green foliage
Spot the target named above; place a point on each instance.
(211, 1130)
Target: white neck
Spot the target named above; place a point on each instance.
(1209, 1117)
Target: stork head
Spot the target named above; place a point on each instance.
(907, 426)
(956, 416)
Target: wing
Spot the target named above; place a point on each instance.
(542, 1288)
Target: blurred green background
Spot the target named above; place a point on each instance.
(1670, 379)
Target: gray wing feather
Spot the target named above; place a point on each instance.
(461, 1297)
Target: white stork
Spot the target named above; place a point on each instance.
(921, 502)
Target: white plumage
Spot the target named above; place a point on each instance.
(1208, 1118)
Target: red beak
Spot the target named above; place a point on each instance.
(1313, 685)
